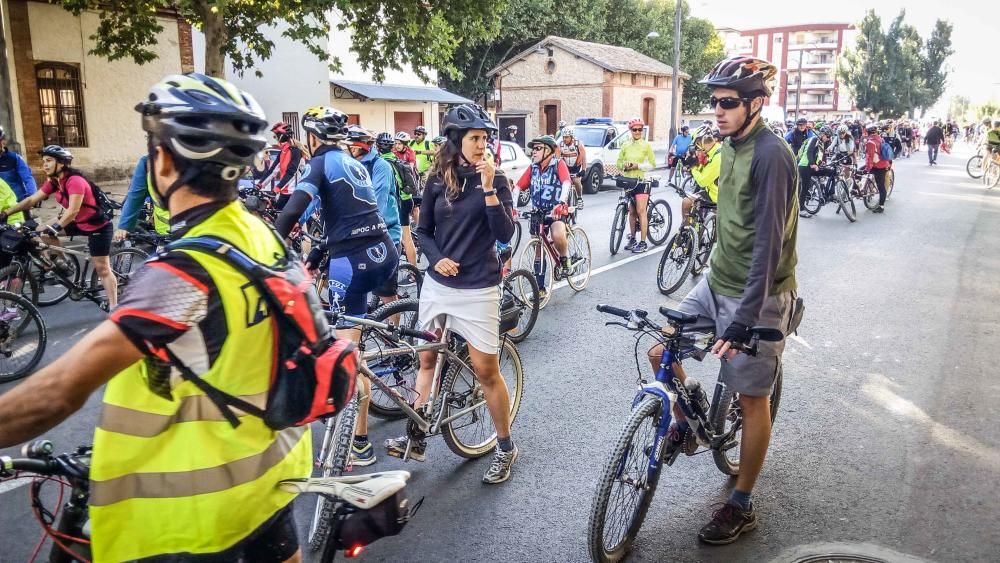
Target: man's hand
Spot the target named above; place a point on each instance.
(313, 259)
(446, 267)
(736, 333)
(120, 235)
(814, 167)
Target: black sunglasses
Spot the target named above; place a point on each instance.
(727, 102)
(636, 130)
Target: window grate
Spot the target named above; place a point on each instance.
(61, 103)
(292, 118)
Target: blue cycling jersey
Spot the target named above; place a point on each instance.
(351, 219)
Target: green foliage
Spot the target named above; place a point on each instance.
(896, 72)
(990, 109)
(615, 22)
(958, 108)
(389, 33)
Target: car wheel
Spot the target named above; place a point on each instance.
(593, 180)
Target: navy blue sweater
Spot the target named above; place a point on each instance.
(465, 230)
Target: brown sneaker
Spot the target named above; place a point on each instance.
(727, 524)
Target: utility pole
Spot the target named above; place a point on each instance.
(6, 104)
(675, 79)
(798, 87)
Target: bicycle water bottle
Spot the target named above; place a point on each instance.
(699, 398)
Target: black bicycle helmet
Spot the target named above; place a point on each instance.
(57, 152)
(328, 124)
(801, 121)
(824, 130)
(547, 140)
(420, 129)
(749, 76)
(205, 120)
(384, 142)
(465, 117)
(871, 128)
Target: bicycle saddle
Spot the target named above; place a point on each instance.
(677, 316)
(362, 491)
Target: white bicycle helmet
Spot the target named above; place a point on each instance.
(403, 137)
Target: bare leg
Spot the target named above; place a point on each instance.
(641, 203)
(558, 232)
(361, 425)
(409, 249)
(756, 437)
(654, 355)
(487, 368)
(631, 218)
(102, 265)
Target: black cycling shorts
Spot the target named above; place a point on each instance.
(405, 207)
(274, 541)
(98, 242)
(391, 285)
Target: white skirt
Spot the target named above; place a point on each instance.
(474, 314)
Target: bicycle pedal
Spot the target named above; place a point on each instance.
(690, 445)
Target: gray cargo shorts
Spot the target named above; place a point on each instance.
(747, 375)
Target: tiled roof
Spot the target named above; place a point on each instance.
(610, 57)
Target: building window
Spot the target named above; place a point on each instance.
(353, 119)
(800, 38)
(61, 104)
(292, 118)
(550, 67)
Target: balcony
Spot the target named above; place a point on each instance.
(817, 65)
(813, 105)
(806, 86)
(826, 45)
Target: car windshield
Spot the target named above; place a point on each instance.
(591, 136)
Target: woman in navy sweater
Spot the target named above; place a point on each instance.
(466, 209)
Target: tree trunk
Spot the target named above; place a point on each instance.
(214, 28)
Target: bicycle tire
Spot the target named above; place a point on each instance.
(992, 175)
(649, 408)
(51, 289)
(12, 332)
(870, 192)
(726, 409)
(813, 202)
(618, 229)
(683, 246)
(339, 455)
(974, 167)
(579, 247)
(125, 262)
(890, 182)
(660, 216)
(450, 401)
(706, 241)
(515, 241)
(29, 283)
(515, 284)
(409, 281)
(845, 201)
(528, 263)
(404, 368)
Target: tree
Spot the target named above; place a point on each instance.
(959, 108)
(858, 66)
(937, 50)
(413, 33)
(990, 109)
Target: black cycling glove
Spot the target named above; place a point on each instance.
(738, 333)
(314, 258)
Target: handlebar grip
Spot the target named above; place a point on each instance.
(39, 466)
(614, 311)
(423, 335)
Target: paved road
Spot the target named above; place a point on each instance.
(885, 433)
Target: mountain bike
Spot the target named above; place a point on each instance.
(659, 218)
(974, 167)
(540, 256)
(991, 173)
(690, 248)
(831, 189)
(22, 337)
(45, 280)
(378, 495)
(866, 189)
(628, 482)
(456, 408)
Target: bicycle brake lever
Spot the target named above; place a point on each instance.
(615, 323)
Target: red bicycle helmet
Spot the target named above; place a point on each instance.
(633, 122)
(281, 128)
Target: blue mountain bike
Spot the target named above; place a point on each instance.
(628, 483)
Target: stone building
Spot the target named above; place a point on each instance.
(57, 92)
(563, 79)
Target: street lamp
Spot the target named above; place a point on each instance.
(675, 80)
(798, 87)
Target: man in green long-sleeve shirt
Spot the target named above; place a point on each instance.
(635, 158)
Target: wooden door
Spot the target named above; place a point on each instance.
(407, 120)
(551, 115)
(648, 114)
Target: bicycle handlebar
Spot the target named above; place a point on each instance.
(614, 311)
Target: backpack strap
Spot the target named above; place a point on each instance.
(222, 400)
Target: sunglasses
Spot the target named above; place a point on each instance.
(537, 148)
(637, 130)
(726, 103)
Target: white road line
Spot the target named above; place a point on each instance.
(613, 265)
(8, 486)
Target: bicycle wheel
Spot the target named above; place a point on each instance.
(726, 417)
(22, 337)
(18, 279)
(51, 289)
(813, 201)
(515, 240)
(579, 255)
(409, 280)
(974, 167)
(676, 261)
(890, 182)
(660, 220)
(992, 176)
(627, 485)
(846, 201)
(125, 263)
(618, 228)
(544, 270)
(521, 287)
(473, 435)
(338, 442)
(706, 241)
(398, 372)
(870, 192)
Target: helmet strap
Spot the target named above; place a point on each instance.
(749, 119)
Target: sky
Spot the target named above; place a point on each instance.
(975, 66)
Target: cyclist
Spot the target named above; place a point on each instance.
(15, 171)
(752, 277)
(878, 169)
(798, 136)
(159, 465)
(845, 148)
(289, 158)
(82, 216)
(466, 210)
(423, 151)
(810, 160)
(512, 133)
(678, 152)
(548, 181)
(140, 190)
(635, 157)
(707, 141)
(383, 144)
(573, 153)
(403, 150)
(993, 138)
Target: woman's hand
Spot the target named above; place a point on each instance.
(120, 235)
(446, 267)
(486, 171)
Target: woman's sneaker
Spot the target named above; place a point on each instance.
(630, 243)
(396, 447)
(362, 455)
(499, 470)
